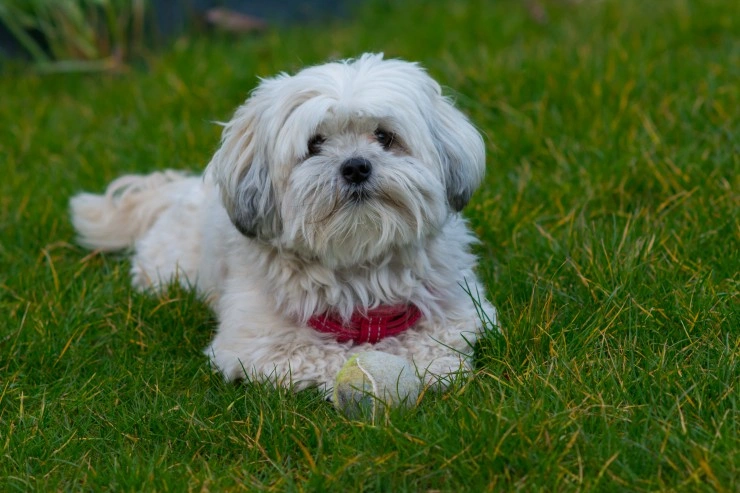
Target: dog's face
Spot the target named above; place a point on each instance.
(343, 161)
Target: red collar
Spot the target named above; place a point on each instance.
(371, 326)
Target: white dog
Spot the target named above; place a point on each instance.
(327, 224)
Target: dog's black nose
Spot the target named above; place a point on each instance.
(356, 170)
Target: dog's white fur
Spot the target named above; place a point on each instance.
(272, 234)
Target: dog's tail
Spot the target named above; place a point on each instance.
(129, 207)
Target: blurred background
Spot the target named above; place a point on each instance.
(107, 34)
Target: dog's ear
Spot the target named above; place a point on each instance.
(241, 170)
(461, 149)
(254, 212)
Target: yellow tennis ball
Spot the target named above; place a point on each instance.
(371, 380)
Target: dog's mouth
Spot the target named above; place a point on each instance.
(358, 195)
(357, 198)
(367, 195)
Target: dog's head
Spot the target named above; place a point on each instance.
(343, 161)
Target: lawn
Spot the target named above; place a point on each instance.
(610, 241)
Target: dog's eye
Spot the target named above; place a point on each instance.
(314, 145)
(385, 138)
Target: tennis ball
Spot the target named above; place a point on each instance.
(371, 380)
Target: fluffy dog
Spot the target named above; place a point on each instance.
(327, 224)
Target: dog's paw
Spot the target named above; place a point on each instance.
(373, 380)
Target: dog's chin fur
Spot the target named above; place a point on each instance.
(276, 231)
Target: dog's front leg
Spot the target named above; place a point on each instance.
(257, 344)
(294, 362)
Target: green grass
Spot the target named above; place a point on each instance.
(610, 232)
